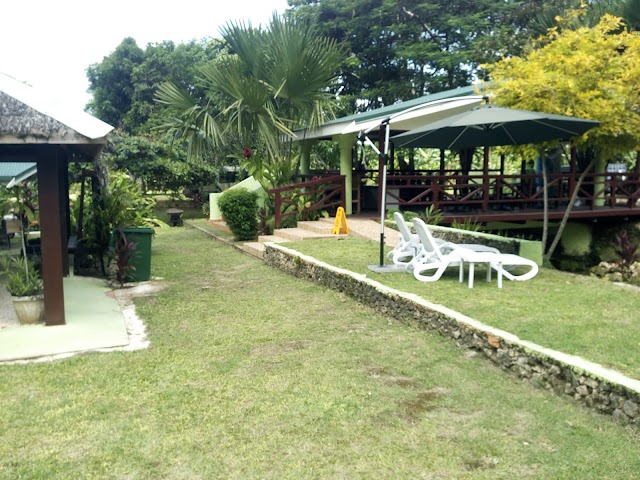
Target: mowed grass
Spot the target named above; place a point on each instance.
(576, 314)
(252, 373)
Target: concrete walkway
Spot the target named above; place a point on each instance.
(365, 227)
(94, 321)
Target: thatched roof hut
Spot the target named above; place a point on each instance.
(37, 129)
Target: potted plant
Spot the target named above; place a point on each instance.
(25, 286)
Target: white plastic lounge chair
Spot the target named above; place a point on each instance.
(409, 245)
(432, 258)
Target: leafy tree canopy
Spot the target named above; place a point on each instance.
(406, 49)
(110, 82)
(124, 83)
(589, 72)
(123, 87)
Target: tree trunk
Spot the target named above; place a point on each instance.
(565, 218)
(545, 205)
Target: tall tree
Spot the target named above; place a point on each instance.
(587, 72)
(166, 62)
(124, 83)
(402, 49)
(274, 80)
(111, 84)
(123, 87)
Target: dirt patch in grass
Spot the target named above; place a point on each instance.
(280, 348)
(126, 295)
(385, 377)
(423, 401)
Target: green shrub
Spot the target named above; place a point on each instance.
(467, 224)
(432, 215)
(239, 210)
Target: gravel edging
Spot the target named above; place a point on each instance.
(601, 389)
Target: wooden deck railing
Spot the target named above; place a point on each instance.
(604, 189)
(325, 193)
(619, 191)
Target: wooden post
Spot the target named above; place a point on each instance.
(63, 181)
(485, 179)
(278, 210)
(51, 224)
(437, 196)
(572, 173)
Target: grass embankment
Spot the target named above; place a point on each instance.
(255, 374)
(576, 314)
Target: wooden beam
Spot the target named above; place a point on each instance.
(63, 181)
(51, 225)
(485, 179)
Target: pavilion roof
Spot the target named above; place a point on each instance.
(27, 116)
(409, 114)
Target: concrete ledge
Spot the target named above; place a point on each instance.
(604, 390)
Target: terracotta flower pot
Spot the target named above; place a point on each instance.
(29, 310)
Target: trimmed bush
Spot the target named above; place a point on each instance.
(239, 210)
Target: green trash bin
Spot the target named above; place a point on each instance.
(142, 256)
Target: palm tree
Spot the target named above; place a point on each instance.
(274, 81)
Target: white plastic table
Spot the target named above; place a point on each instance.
(470, 257)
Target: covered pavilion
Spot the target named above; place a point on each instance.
(35, 129)
(463, 193)
(403, 116)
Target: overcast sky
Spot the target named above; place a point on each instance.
(50, 43)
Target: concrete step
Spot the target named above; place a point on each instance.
(272, 238)
(297, 234)
(316, 227)
(254, 248)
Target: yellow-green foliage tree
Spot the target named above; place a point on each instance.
(590, 73)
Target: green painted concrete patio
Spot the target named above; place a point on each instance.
(94, 320)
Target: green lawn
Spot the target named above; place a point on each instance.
(252, 373)
(576, 314)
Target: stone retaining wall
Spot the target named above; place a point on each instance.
(604, 390)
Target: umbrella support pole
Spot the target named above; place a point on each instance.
(381, 267)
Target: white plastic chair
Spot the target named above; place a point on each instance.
(431, 257)
(410, 246)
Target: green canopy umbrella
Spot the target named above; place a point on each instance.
(489, 125)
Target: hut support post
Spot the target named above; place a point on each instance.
(49, 190)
